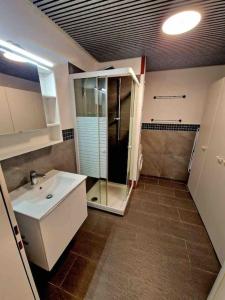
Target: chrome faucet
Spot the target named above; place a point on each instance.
(34, 177)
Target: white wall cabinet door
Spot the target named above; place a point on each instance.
(210, 193)
(14, 281)
(26, 108)
(207, 124)
(6, 124)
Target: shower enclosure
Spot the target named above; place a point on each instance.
(104, 109)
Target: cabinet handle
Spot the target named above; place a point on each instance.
(204, 148)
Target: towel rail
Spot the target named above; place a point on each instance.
(170, 97)
(157, 120)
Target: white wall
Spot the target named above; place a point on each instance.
(193, 82)
(23, 23)
(64, 96)
(134, 63)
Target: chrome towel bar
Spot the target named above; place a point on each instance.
(157, 120)
(170, 97)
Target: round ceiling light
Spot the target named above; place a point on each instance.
(14, 57)
(181, 22)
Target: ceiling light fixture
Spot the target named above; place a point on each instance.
(181, 22)
(30, 57)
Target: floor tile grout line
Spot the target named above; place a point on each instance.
(166, 195)
(165, 205)
(157, 183)
(170, 234)
(203, 270)
(193, 224)
(85, 257)
(169, 205)
(167, 187)
(156, 215)
(163, 217)
(65, 291)
(179, 214)
(165, 233)
(189, 259)
(68, 271)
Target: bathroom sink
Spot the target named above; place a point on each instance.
(38, 200)
(49, 214)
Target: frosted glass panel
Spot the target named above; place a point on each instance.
(92, 127)
(92, 141)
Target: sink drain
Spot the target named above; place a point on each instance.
(49, 196)
(94, 199)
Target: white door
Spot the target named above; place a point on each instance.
(210, 193)
(207, 124)
(14, 283)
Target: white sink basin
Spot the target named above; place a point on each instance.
(49, 214)
(37, 201)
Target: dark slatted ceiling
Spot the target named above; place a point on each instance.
(119, 29)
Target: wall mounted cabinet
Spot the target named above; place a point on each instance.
(26, 108)
(29, 120)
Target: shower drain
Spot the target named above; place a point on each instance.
(94, 199)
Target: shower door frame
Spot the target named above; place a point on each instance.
(121, 72)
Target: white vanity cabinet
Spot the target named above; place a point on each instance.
(47, 229)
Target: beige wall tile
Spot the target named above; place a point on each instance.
(153, 141)
(152, 164)
(175, 167)
(179, 142)
(167, 153)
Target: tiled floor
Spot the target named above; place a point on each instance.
(158, 250)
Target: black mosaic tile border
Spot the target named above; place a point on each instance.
(68, 134)
(172, 127)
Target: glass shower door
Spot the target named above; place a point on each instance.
(119, 115)
(91, 120)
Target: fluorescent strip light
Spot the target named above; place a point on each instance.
(26, 54)
(14, 57)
